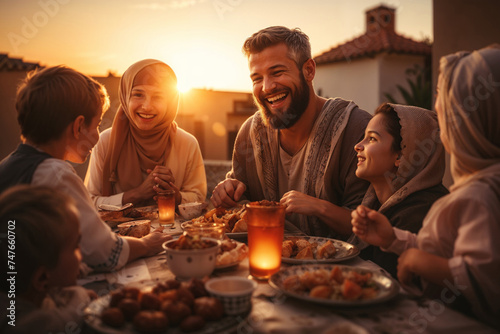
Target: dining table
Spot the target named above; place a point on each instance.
(274, 311)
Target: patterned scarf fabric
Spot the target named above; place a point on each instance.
(323, 139)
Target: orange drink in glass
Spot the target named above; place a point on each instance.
(266, 224)
(166, 207)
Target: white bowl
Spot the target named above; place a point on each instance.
(191, 263)
(234, 292)
(190, 210)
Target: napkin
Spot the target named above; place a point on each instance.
(133, 272)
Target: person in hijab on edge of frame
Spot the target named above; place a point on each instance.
(457, 247)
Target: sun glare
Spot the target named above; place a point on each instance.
(183, 86)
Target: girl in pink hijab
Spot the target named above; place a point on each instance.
(455, 258)
(145, 151)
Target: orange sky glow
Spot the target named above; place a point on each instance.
(200, 39)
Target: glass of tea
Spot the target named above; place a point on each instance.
(166, 207)
(266, 224)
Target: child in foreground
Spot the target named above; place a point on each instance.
(39, 234)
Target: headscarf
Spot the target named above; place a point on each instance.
(132, 150)
(422, 162)
(469, 113)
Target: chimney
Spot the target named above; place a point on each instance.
(380, 18)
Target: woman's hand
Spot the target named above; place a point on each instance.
(406, 263)
(158, 178)
(415, 262)
(297, 202)
(227, 193)
(154, 242)
(372, 227)
(163, 177)
(145, 191)
(164, 180)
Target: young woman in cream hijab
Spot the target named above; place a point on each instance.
(402, 157)
(455, 258)
(145, 151)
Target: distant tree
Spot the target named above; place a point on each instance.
(420, 83)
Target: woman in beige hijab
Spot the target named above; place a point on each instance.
(145, 151)
(455, 258)
(402, 157)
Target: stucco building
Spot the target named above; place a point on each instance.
(367, 67)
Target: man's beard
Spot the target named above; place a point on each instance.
(285, 120)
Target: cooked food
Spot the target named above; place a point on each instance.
(150, 321)
(113, 317)
(233, 219)
(113, 218)
(169, 303)
(287, 248)
(210, 308)
(176, 310)
(326, 251)
(192, 242)
(231, 251)
(136, 228)
(301, 248)
(301, 244)
(334, 284)
(305, 253)
(240, 226)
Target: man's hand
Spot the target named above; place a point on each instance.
(297, 202)
(227, 193)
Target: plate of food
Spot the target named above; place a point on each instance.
(304, 249)
(335, 285)
(232, 218)
(231, 253)
(126, 214)
(170, 307)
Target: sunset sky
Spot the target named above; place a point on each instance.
(200, 39)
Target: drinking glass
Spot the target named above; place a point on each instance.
(266, 224)
(166, 207)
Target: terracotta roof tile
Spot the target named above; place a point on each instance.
(370, 43)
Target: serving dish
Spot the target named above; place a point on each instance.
(192, 262)
(93, 312)
(388, 288)
(345, 250)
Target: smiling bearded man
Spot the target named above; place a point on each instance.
(298, 148)
(300, 100)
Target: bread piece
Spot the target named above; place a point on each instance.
(301, 244)
(136, 228)
(326, 251)
(305, 253)
(237, 254)
(240, 226)
(287, 248)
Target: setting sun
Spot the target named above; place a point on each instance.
(183, 87)
(202, 63)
